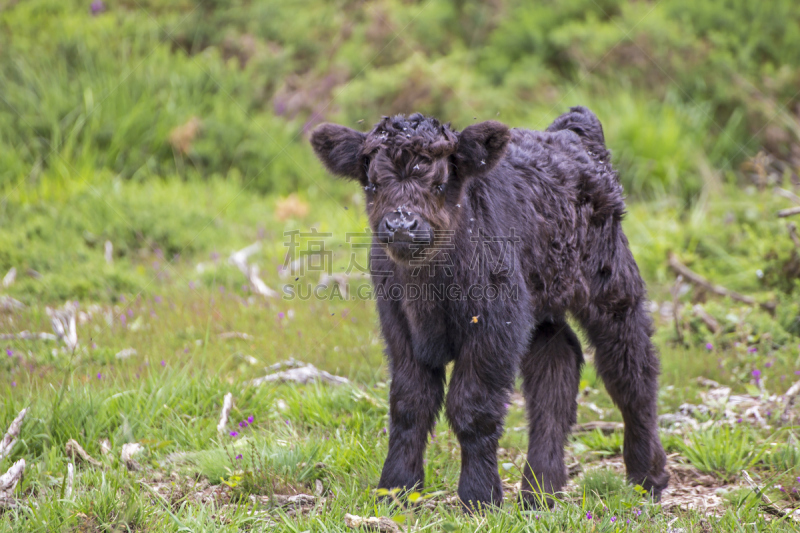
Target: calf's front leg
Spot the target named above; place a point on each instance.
(476, 407)
(415, 397)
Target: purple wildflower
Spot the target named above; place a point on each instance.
(738, 420)
(13, 383)
(757, 375)
(588, 515)
(613, 519)
(752, 349)
(281, 315)
(163, 363)
(242, 424)
(157, 299)
(99, 375)
(234, 434)
(130, 313)
(121, 298)
(10, 352)
(97, 7)
(768, 364)
(709, 346)
(123, 319)
(250, 419)
(239, 456)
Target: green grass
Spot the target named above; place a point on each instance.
(167, 397)
(723, 451)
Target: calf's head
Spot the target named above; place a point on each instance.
(413, 171)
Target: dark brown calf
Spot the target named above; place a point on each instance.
(500, 233)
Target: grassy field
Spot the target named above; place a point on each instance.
(176, 131)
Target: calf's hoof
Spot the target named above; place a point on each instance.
(477, 500)
(532, 500)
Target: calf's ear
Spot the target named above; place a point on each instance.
(480, 147)
(339, 149)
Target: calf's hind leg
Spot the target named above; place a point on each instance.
(551, 373)
(626, 361)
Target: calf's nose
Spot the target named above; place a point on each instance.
(398, 222)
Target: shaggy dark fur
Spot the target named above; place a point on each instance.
(538, 213)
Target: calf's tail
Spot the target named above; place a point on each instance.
(587, 126)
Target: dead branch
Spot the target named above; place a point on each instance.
(239, 259)
(793, 234)
(768, 505)
(63, 322)
(108, 252)
(719, 290)
(11, 435)
(235, 335)
(789, 399)
(76, 452)
(788, 212)
(8, 481)
(789, 195)
(10, 277)
(128, 452)
(227, 405)
(304, 374)
(710, 322)
(28, 336)
(7, 303)
(70, 480)
(372, 523)
(676, 308)
(705, 382)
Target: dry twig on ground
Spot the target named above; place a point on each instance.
(227, 405)
(76, 452)
(719, 290)
(10, 438)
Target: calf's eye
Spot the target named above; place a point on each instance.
(439, 188)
